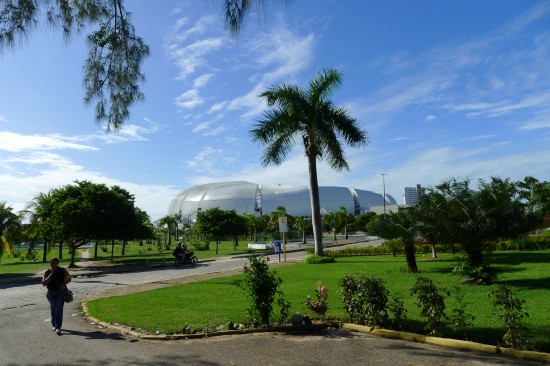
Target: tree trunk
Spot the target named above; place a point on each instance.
(95, 249)
(44, 256)
(304, 236)
(315, 206)
(411, 259)
(112, 250)
(73, 251)
(346, 230)
(434, 254)
(60, 250)
(124, 246)
(475, 254)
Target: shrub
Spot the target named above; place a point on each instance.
(509, 308)
(365, 299)
(394, 246)
(317, 259)
(320, 305)
(352, 252)
(284, 308)
(461, 319)
(261, 285)
(397, 308)
(202, 246)
(431, 303)
(477, 275)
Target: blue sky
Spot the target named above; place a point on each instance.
(444, 89)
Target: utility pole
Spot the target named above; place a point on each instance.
(384, 183)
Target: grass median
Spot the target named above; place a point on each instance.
(220, 300)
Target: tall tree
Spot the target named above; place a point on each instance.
(343, 218)
(216, 223)
(85, 211)
(39, 209)
(308, 116)
(455, 213)
(400, 225)
(170, 222)
(113, 69)
(536, 196)
(302, 224)
(7, 219)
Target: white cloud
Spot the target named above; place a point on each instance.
(207, 160)
(3, 119)
(284, 51)
(395, 139)
(15, 142)
(178, 34)
(202, 81)
(190, 57)
(541, 120)
(430, 117)
(217, 107)
(189, 100)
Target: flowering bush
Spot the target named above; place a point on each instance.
(319, 305)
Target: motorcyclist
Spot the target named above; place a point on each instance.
(181, 251)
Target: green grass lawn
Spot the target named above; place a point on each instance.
(217, 301)
(20, 266)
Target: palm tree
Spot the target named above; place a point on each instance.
(169, 221)
(302, 224)
(308, 116)
(236, 12)
(343, 218)
(7, 219)
(39, 209)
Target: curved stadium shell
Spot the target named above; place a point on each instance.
(253, 198)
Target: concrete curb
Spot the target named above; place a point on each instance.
(449, 342)
(387, 333)
(162, 337)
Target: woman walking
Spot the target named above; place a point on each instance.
(55, 279)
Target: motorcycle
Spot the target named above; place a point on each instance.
(189, 258)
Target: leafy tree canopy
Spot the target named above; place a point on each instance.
(79, 213)
(113, 68)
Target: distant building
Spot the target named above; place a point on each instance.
(253, 198)
(411, 194)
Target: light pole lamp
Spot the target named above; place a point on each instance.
(384, 184)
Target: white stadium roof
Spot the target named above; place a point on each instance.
(248, 198)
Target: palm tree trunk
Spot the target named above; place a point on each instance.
(44, 256)
(411, 259)
(315, 206)
(73, 251)
(475, 254)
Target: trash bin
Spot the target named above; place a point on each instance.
(277, 247)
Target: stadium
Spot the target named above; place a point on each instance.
(252, 198)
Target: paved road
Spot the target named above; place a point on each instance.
(26, 339)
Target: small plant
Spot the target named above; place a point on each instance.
(320, 305)
(202, 246)
(394, 246)
(509, 308)
(284, 309)
(478, 275)
(365, 299)
(261, 285)
(317, 259)
(461, 319)
(397, 308)
(431, 303)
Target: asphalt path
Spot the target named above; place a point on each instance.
(26, 337)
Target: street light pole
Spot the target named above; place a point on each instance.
(384, 183)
